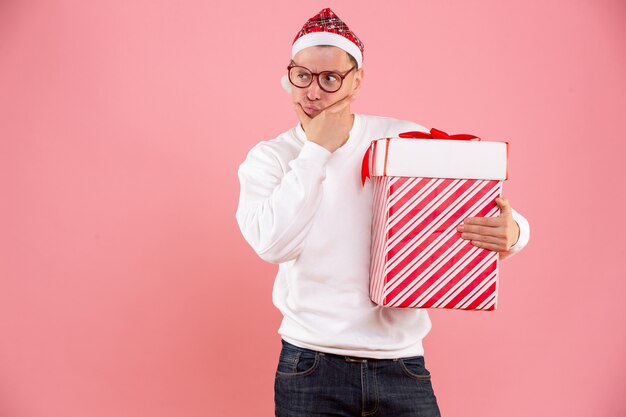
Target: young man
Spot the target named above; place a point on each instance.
(302, 206)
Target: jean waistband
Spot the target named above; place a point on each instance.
(355, 359)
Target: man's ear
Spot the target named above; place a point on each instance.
(358, 79)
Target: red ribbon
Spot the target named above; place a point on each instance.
(437, 134)
(365, 165)
(433, 134)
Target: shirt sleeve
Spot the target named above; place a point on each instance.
(277, 205)
(524, 236)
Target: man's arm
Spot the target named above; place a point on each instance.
(507, 233)
(275, 208)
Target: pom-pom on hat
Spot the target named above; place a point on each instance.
(325, 28)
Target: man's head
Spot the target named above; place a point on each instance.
(326, 66)
(335, 67)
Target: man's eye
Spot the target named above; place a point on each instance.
(303, 76)
(331, 77)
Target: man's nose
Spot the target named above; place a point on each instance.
(313, 91)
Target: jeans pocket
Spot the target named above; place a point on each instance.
(297, 362)
(414, 367)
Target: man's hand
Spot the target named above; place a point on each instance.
(494, 233)
(331, 127)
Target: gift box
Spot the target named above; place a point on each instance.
(424, 186)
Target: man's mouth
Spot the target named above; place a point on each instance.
(309, 109)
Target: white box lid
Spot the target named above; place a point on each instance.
(440, 158)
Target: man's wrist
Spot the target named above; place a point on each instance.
(315, 151)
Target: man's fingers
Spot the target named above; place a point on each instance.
(491, 246)
(484, 237)
(492, 233)
(341, 105)
(478, 237)
(505, 210)
(486, 242)
(485, 221)
(483, 230)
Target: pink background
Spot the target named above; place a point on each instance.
(126, 288)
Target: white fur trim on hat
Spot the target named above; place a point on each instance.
(284, 81)
(327, 38)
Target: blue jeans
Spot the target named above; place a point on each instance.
(315, 384)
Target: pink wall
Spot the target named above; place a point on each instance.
(125, 287)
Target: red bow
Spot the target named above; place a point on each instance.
(433, 134)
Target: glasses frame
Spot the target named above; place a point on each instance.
(317, 75)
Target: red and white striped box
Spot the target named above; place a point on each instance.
(424, 186)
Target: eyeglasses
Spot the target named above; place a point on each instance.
(329, 81)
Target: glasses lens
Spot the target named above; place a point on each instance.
(300, 76)
(330, 81)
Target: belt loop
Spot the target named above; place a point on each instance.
(355, 360)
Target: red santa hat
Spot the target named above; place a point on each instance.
(326, 28)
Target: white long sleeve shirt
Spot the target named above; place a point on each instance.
(304, 208)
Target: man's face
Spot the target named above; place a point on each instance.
(317, 59)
